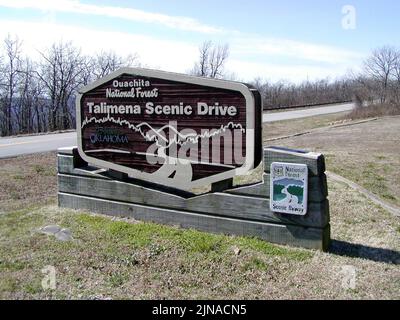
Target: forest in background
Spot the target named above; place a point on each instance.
(39, 95)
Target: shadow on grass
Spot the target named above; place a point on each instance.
(347, 249)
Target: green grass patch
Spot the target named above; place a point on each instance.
(159, 238)
(33, 287)
(44, 170)
(19, 177)
(20, 222)
(371, 175)
(192, 241)
(12, 265)
(273, 250)
(200, 242)
(8, 284)
(117, 279)
(255, 263)
(145, 234)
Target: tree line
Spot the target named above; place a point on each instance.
(285, 94)
(39, 95)
(378, 80)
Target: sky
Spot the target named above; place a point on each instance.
(272, 40)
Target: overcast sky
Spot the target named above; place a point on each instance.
(280, 39)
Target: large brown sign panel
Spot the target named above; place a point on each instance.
(170, 129)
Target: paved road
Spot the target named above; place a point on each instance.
(10, 147)
(295, 114)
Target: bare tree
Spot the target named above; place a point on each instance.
(396, 85)
(106, 62)
(86, 75)
(3, 109)
(284, 94)
(212, 60)
(202, 69)
(38, 96)
(103, 63)
(59, 73)
(29, 114)
(380, 66)
(10, 73)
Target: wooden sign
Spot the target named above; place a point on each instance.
(171, 129)
(289, 188)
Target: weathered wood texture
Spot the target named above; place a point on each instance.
(243, 211)
(313, 238)
(220, 204)
(66, 166)
(222, 185)
(314, 161)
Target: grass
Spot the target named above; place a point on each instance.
(376, 180)
(366, 153)
(288, 127)
(373, 176)
(115, 253)
(139, 235)
(26, 180)
(373, 111)
(122, 258)
(255, 263)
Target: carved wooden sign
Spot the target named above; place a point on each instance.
(171, 129)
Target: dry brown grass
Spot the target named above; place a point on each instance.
(367, 153)
(288, 127)
(25, 180)
(381, 110)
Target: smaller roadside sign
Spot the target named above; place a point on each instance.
(289, 188)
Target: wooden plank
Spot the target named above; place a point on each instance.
(66, 166)
(70, 151)
(313, 238)
(317, 188)
(314, 161)
(222, 185)
(260, 189)
(326, 238)
(220, 204)
(257, 209)
(73, 151)
(121, 176)
(116, 190)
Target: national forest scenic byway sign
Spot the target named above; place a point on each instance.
(289, 188)
(171, 129)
